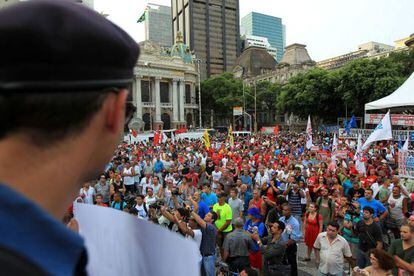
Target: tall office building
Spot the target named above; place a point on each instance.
(158, 25)
(211, 29)
(248, 41)
(267, 26)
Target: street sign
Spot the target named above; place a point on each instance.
(237, 111)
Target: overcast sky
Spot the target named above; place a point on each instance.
(327, 27)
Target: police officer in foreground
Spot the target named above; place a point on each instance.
(64, 74)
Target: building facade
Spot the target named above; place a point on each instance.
(370, 50)
(295, 60)
(263, 25)
(211, 29)
(164, 87)
(258, 41)
(158, 26)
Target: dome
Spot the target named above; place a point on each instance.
(296, 54)
(179, 49)
(254, 61)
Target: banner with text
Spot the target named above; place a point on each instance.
(353, 134)
(406, 163)
(396, 119)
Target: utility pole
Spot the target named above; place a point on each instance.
(255, 107)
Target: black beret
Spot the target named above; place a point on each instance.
(62, 45)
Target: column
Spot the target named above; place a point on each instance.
(137, 96)
(181, 98)
(175, 100)
(157, 100)
(193, 94)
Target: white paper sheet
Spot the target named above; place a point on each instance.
(121, 244)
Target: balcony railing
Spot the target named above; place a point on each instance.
(166, 105)
(190, 105)
(148, 104)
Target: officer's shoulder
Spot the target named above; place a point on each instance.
(16, 264)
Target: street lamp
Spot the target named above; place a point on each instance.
(255, 107)
(199, 90)
(147, 64)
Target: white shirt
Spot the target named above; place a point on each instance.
(216, 175)
(128, 178)
(141, 211)
(87, 195)
(145, 183)
(261, 179)
(150, 200)
(137, 169)
(197, 238)
(332, 254)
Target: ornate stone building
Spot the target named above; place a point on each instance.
(164, 86)
(294, 61)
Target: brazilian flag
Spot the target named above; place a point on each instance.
(142, 17)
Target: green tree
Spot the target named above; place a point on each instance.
(363, 81)
(313, 92)
(221, 93)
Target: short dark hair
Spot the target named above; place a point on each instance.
(223, 194)
(334, 224)
(48, 117)
(214, 215)
(281, 225)
(369, 209)
(369, 189)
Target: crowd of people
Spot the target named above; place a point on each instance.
(251, 202)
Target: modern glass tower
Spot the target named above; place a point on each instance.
(267, 26)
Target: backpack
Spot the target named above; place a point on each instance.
(145, 207)
(121, 206)
(330, 202)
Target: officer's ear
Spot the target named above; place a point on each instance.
(115, 111)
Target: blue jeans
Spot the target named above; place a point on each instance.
(362, 259)
(209, 265)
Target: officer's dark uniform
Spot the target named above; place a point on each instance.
(50, 45)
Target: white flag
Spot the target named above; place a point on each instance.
(381, 132)
(334, 143)
(172, 137)
(359, 164)
(309, 143)
(309, 126)
(164, 137)
(334, 147)
(405, 146)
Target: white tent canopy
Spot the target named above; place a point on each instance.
(403, 96)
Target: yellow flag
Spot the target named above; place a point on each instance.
(231, 137)
(206, 139)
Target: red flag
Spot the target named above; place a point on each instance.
(156, 138)
(276, 130)
(181, 130)
(134, 133)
